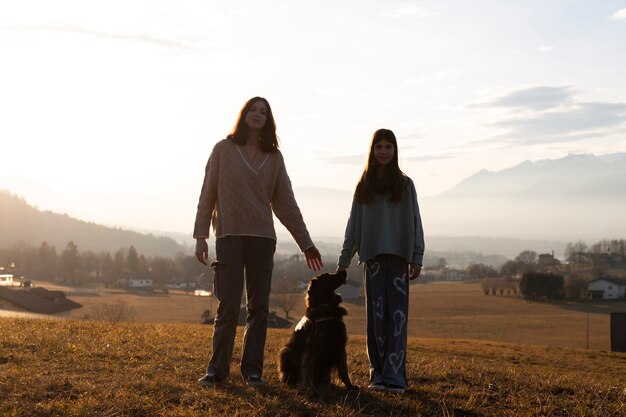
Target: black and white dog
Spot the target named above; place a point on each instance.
(318, 344)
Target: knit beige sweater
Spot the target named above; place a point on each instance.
(238, 198)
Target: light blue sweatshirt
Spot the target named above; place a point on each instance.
(385, 227)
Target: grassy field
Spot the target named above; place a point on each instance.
(442, 310)
(87, 368)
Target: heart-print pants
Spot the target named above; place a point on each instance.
(387, 301)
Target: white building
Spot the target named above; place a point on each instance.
(607, 288)
(136, 281)
(6, 279)
(140, 283)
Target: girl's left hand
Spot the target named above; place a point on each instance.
(414, 271)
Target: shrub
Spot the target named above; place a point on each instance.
(535, 286)
(116, 312)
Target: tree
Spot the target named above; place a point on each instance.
(47, 260)
(509, 269)
(108, 268)
(441, 263)
(284, 297)
(70, 261)
(535, 285)
(476, 271)
(526, 261)
(494, 285)
(119, 262)
(161, 270)
(573, 251)
(132, 259)
(575, 286)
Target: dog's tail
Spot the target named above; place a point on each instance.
(288, 368)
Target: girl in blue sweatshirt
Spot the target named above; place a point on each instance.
(385, 229)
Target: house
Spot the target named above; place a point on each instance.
(350, 291)
(607, 288)
(136, 281)
(547, 262)
(454, 274)
(186, 286)
(6, 279)
(36, 300)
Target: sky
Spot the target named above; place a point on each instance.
(109, 109)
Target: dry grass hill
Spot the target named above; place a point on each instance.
(469, 355)
(77, 368)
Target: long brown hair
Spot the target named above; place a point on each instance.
(392, 182)
(268, 139)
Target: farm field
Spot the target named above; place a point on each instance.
(440, 310)
(70, 368)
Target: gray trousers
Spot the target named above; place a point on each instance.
(238, 257)
(387, 305)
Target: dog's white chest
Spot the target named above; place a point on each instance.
(301, 323)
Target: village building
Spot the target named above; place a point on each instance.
(607, 288)
(136, 281)
(6, 279)
(454, 274)
(546, 262)
(36, 300)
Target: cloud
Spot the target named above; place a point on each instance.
(619, 15)
(186, 43)
(346, 159)
(408, 10)
(425, 158)
(362, 158)
(580, 121)
(411, 136)
(551, 115)
(546, 48)
(436, 77)
(532, 98)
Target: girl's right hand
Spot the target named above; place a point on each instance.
(202, 250)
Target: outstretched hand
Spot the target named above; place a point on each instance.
(313, 258)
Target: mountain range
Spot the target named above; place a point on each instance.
(574, 176)
(575, 197)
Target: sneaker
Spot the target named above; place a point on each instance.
(209, 380)
(376, 387)
(253, 380)
(395, 389)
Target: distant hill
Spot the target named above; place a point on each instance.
(578, 196)
(19, 222)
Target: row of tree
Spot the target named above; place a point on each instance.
(78, 268)
(537, 286)
(84, 268)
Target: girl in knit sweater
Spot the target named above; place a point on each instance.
(385, 229)
(245, 182)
